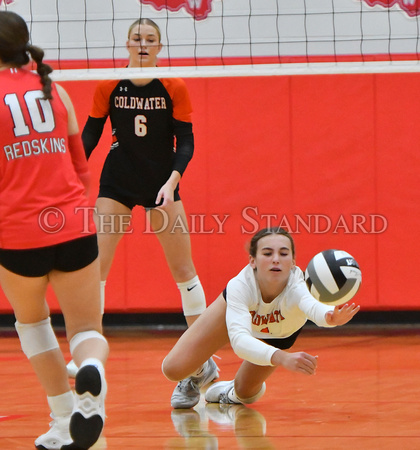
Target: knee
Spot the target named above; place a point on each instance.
(174, 369)
(79, 327)
(36, 338)
(84, 336)
(169, 369)
(183, 273)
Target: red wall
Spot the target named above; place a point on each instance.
(325, 148)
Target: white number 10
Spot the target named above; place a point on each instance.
(40, 112)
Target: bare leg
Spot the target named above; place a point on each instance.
(170, 226)
(250, 378)
(27, 298)
(112, 221)
(79, 296)
(78, 293)
(247, 387)
(198, 343)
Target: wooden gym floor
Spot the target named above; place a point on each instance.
(365, 395)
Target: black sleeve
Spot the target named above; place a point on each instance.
(184, 145)
(91, 133)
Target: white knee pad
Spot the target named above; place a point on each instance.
(192, 297)
(36, 338)
(257, 396)
(84, 336)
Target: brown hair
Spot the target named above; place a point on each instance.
(145, 22)
(15, 46)
(266, 232)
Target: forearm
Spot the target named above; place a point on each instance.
(278, 358)
(251, 349)
(174, 179)
(79, 160)
(184, 145)
(92, 133)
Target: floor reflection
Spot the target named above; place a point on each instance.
(202, 426)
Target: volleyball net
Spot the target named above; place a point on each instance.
(86, 39)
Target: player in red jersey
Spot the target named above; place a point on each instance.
(45, 237)
(142, 167)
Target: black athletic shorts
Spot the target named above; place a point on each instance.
(37, 262)
(280, 343)
(130, 200)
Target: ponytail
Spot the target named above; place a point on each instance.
(43, 70)
(15, 48)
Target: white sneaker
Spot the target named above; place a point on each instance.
(210, 374)
(72, 369)
(218, 393)
(57, 436)
(88, 417)
(187, 392)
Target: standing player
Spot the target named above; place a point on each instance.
(261, 313)
(142, 167)
(43, 239)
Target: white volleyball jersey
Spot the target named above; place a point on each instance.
(249, 319)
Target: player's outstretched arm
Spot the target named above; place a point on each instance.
(342, 314)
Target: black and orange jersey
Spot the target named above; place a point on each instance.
(144, 122)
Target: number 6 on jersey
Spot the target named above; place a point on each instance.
(140, 128)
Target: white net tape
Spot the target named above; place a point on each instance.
(238, 71)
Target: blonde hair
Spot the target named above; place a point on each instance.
(145, 22)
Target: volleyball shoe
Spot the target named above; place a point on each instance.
(187, 392)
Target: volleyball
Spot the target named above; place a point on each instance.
(333, 277)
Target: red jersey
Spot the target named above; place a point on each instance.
(42, 199)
